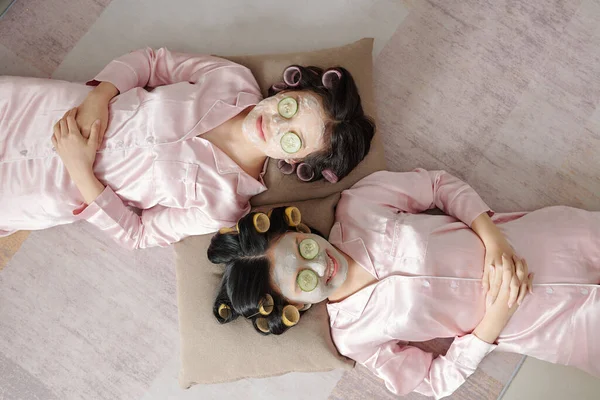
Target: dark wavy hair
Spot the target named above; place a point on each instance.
(247, 277)
(348, 130)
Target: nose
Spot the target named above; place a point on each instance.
(318, 267)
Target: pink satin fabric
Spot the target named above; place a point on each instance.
(152, 157)
(429, 270)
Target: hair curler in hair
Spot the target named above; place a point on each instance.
(329, 175)
(293, 217)
(290, 316)
(292, 76)
(330, 78)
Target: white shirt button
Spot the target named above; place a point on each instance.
(453, 284)
(584, 291)
(23, 152)
(549, 290)
(426, 283)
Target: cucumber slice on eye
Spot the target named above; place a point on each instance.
(308, 249)
(307, 280)
(287, 107)
(291, 143)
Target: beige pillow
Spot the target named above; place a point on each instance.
(211, 352)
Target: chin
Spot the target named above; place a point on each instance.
(340, 278)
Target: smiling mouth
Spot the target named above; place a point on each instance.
(332, 268)
(259, 128)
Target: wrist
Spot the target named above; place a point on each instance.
(89, 186)
(486, 331)
(82, 177)
(104, 91)
(487, 231)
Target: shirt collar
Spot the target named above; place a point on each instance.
(247, 185)
(355, 304)
(355, 248)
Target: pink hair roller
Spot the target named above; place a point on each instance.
(285, 167)
(292, 76)
(305, 172)
(278, 87)
(329, 175)
(329, 77)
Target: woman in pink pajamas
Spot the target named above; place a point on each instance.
(394, 275)
(189, 152)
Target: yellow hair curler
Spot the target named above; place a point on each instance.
(293, 216)
(265, 306)
(261, 222)
(303, 228)
(224, 311)
(223, 231)
(262, 324)
(304, 307)
(290, 315)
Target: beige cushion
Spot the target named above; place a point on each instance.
(211, 352)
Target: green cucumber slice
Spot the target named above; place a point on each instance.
(308, 249)
(287, 107)
(291, 143)
(307, 280)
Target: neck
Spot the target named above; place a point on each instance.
(356, 279)
(230, 138)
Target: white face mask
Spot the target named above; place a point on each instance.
(328, 264)
(291, 129)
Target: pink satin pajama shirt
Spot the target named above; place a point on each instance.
(429, 268)
(153, 156)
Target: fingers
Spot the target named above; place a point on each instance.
(71, 123)
(522, 292)
(515, 286)
(507, 273)
(529, 277)
(520, 269)
(495, 285)
(526, 286)
(485, 281)
(56, 130)
(530, 282)
(101, 132)
(64, 130)
(94, 134)
(518, 279)
(489, 299)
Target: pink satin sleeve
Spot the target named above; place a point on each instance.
(147, 67)
(157, 226)
(405, 368)
(421, 190)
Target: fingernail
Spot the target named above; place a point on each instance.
(488, 300)
(97, 122)
(510, 305)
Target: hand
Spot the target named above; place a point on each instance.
(93, 108)
(495, 248)
(77, 153)
(498, 314)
